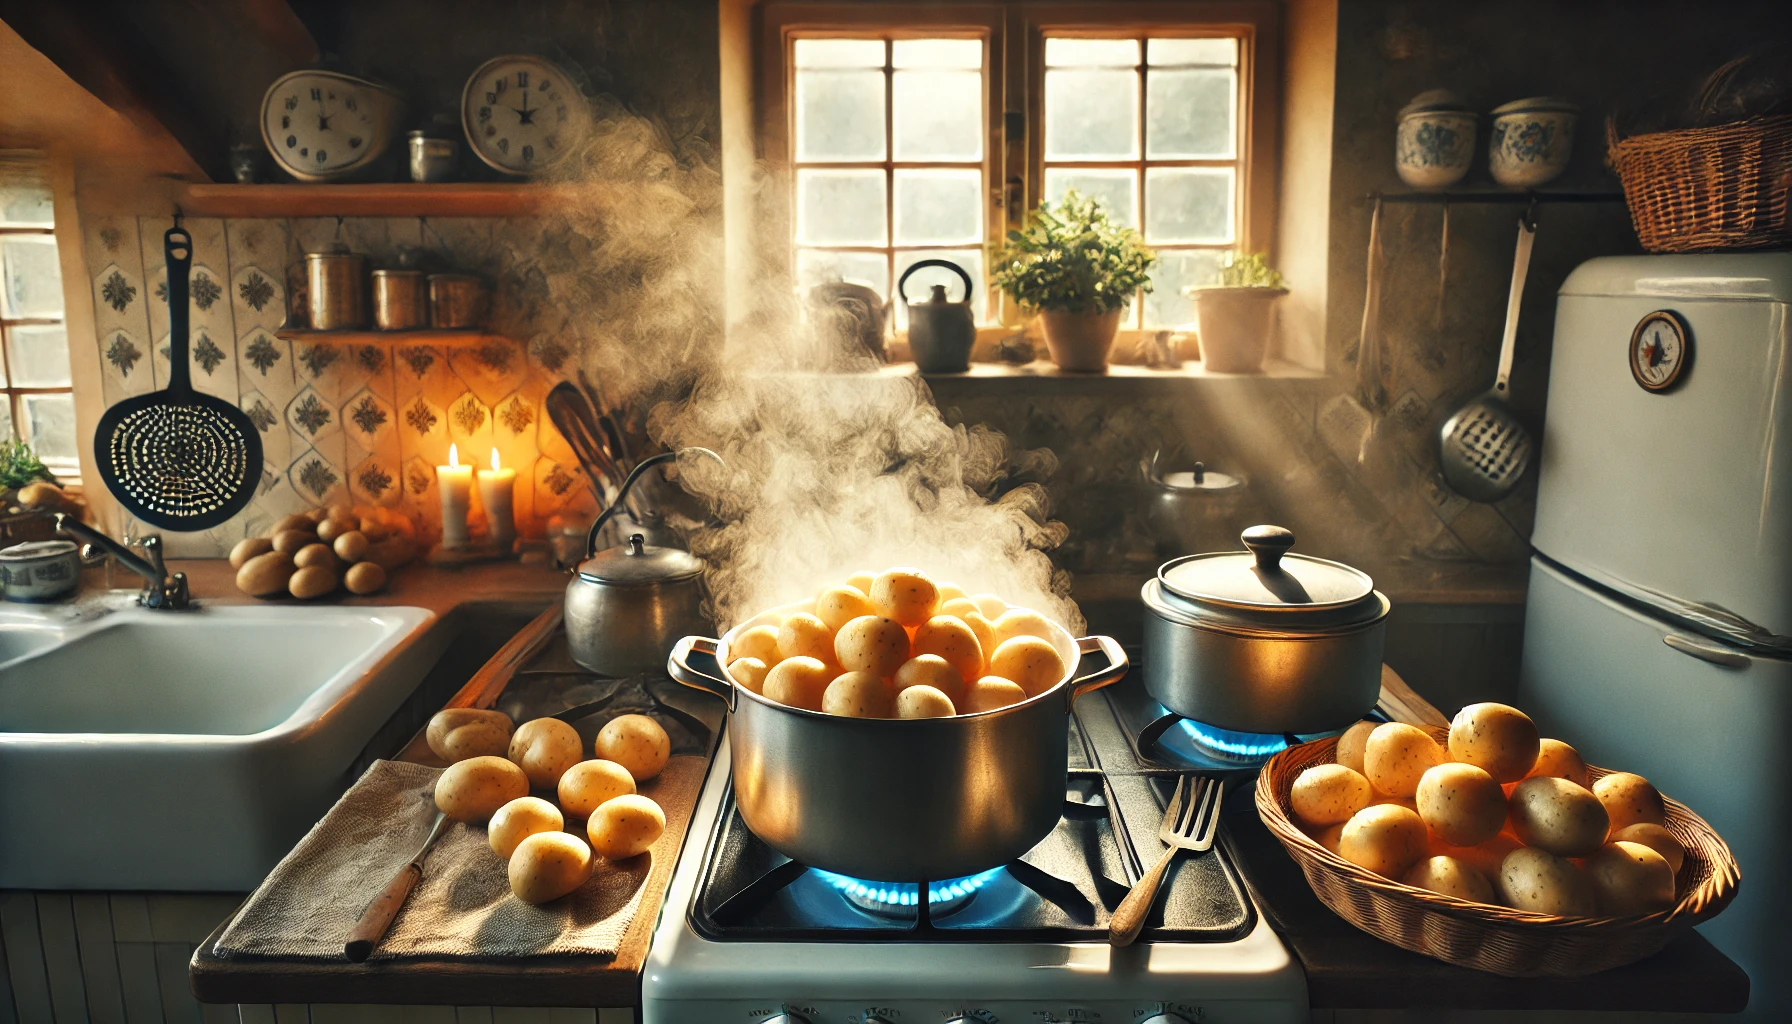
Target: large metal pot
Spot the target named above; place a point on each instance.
(897, 800)
(1262, 640)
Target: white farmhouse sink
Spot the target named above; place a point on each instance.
(187, 750)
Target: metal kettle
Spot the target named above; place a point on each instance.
(851, 315)
(940, 332)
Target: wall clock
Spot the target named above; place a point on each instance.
(1660, 351)
(523, 114)
(324, 125)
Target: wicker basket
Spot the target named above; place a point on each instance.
(1724, 187)
(1513, 943)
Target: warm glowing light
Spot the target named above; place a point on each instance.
(453, 456)
(494, 460)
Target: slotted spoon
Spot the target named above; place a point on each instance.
(1190, 823)
(1483, 449)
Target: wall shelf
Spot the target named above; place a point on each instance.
(1498, 196)
(444, 338)
(389, 199)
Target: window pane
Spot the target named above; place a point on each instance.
(920, 287)
(30, 278)
(938, 115)
(1116, 191)
(1221, 52)
(938, 207)
(937, 53)
(1091, 115)
(1105, 53)
(839, 53)
(840, 207)
(817, 266)
(1166, 306)
(839, 115)
(1188, 204)
(25, 208)
(1188, 115)
(6, 432)
(38, 355)
(51, 420)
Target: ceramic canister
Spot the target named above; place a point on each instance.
(1435, 140)
(40, 570)
(1531, 141)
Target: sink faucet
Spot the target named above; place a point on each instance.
(159, 590)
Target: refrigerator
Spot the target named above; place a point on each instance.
(1658, 622)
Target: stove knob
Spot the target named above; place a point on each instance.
(1164, 1018)
(787, 1017)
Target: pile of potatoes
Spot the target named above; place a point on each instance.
(898, 645)
(493, 768)
(310, 554)
(1498, 815)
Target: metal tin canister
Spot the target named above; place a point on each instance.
(336, 284)
(40, 570)
(400, 300)
(456, 300)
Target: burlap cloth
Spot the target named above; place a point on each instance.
(462, 906)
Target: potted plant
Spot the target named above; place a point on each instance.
(1232, 315)
(1077, 268)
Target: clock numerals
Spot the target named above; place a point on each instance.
(500, 85)
(321, 157)
(528, 154)
(543, 87)
(485, 114)
(504, 146)
(317, 94)
(491, 97)
(285, 121)
(522, 79)
(551, 141)
(291, 141)
(354, 142)
(292, 103)
(349, 104)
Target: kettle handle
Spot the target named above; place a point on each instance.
(948, 264)
(616, 506)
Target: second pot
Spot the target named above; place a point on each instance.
(1234, 326)
(1080, 341)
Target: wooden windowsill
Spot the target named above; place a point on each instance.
(1121, 379)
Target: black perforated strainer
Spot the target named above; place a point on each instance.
(176, 458)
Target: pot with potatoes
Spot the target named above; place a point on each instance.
(897, 729)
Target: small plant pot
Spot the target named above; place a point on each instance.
(1080, 342)
(1234, 327)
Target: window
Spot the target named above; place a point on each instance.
(39, 403)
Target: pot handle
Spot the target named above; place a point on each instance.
(678, 665)
(1113, 672)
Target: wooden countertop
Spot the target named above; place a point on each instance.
(212, 581)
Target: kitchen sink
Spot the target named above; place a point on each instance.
(188, 750)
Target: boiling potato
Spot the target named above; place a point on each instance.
(1328, 794)
(1655, 837)
(959, 607)
(906, 595)
(1629, 799)
(1020, 622)
(950, 638)
(589, 783)
(1559, 760)
(872, 644)
(805, 636)
(760, 642)
(839, 605)
(455, 734)
(249, 547)
(749, 672)
(1557, 816)
(1384, 839)
(924, 702)
(861, 581)
(1485, 857)
(951, 592)
(1630, 878)
(1461, 803)
(1451, 877)
(990, 605)
(544, 749)
(1351, 744)
(859, 695)
(518, 820)
(472, 790)
(985, 633)
(625, 827)
(799, 683)
(637, 743)
(1397, 756)
(548, 865)
(930, 670)
(1029, 661)
(1499, 739)
(1543, 883)
(990, 693)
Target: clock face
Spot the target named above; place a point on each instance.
(1660, 350)
(320, 125)
(523, 114)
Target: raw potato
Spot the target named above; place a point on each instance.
(364, 578)
(518, 820)
(990, 693)
(839, 605)
(1397, 756)
(548, 865)
(1557, 816)
(311, 581)
(391, 553)
(544, 749)
(637, 743)
(990, 605)
(474, 789)
(950, 638)
(1328, 794)
(265, 575)
(296, 521)
(906, 595)
(1655, 837)
(924, 702)
(1451, 877)
(1029, 661)
(1543, 883)
(455, 734)
(352, 546)
(859, 695)
(1497, 738)
(805, 636)
(1020, 622)
(760, 642)
(1629, 799)
(1558, 759)
(1461, 803)
(872, 644)
(289, 542)
(1330, 836)
(930, 670)
(1485, 858)
(315, 554)
(1351, 744)
(749, 672)
(1630, 878)
(248, 548)
(799, 683)
(625, 827)
(330, 529)
(1384, 839)
(589, 783)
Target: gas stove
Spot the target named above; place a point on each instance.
(748, 936)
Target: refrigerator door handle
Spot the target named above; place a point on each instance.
(1705, 650)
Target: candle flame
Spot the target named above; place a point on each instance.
(494, 460)
(453, 456)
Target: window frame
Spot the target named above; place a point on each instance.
(14, 395)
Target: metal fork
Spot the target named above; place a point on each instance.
(1189, 824)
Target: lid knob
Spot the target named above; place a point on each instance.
(636, 542)
(939, 294)
(1268, 544)
(1200, 472)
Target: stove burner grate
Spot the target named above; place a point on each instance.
(894, 899)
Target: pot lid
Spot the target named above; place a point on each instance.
(1536, 105)
(1434, 100)
(33, 549)
(638, 562)
(1266, 584)
(1199, 479)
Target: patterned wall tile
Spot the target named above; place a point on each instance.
(317, 477)
(311, 417)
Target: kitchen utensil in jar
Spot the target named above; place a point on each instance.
(336, 289)
(177, 458)
(1483, 449)
(940, 332)
(456, 301)
(571, 415)
(1190, 823)
(373, 923)
(400, 300)
(1264, 640)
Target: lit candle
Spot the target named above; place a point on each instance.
(495, 487)
(455, 481)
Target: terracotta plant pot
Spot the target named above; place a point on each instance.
(1234, 327)
(1080, 342)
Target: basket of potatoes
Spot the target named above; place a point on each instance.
(1489, 847)
(309, 555)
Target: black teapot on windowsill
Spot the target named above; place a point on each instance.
(940, 332)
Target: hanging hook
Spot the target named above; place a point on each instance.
(177, 216)
(1530, 213)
